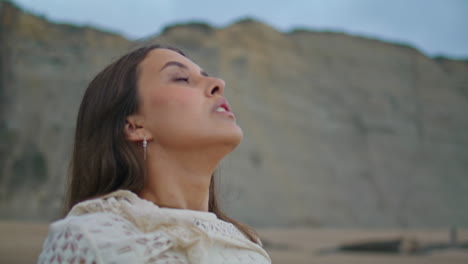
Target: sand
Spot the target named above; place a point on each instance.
(302, 245)
(21, 242)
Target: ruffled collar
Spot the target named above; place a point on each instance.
(135, 200)
(190, 228)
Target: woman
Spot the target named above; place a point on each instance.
(151, 129)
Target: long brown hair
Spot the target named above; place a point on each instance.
(103, 159)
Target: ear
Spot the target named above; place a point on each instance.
(135, 130)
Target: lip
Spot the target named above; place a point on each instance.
(222, 102)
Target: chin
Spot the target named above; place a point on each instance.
(239, 139)
(233, 138)
(239, 134)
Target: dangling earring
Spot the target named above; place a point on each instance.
(145, 144)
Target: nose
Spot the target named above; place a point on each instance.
(216, 86)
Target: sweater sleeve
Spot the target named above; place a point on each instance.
(67, 244)
(107, 238)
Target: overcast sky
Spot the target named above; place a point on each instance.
(436, 27)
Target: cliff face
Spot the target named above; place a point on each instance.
(45, 69)
(338, 130)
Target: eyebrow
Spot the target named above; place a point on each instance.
(180, 65)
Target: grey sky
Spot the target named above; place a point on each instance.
(436, 27)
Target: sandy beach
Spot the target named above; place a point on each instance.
(302, 246)
(21, 242)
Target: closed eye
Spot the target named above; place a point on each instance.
(181, 79)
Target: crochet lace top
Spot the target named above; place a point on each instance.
(123, 228)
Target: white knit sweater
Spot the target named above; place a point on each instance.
(123, 228)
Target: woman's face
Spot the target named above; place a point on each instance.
(180, 103)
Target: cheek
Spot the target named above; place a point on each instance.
(176, 99)
(173, 106)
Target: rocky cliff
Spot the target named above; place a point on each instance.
(339, 130)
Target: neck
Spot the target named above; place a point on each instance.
(179, 179)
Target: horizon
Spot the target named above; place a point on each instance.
(239, 20)
(433, 28)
